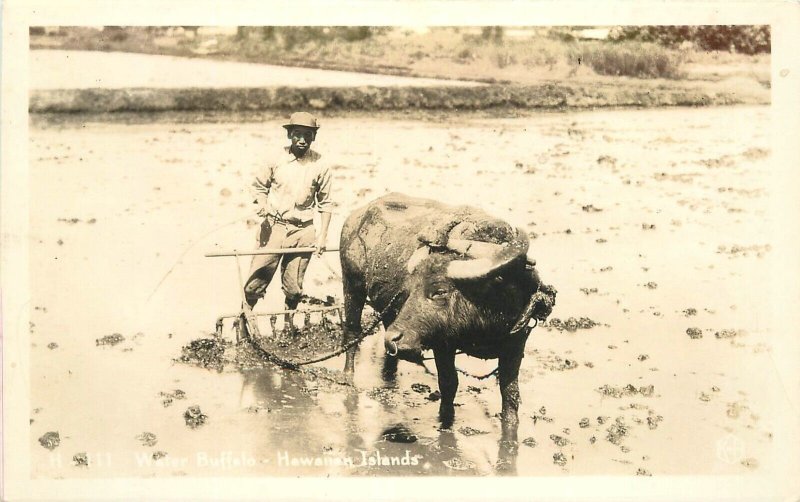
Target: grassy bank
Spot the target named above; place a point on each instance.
(548, 96)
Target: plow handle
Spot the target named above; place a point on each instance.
(268, 251)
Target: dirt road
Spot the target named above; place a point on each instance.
(653, 224)
(88, 70)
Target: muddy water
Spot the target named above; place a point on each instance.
(649, 223)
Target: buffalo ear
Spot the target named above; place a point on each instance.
(420, 254)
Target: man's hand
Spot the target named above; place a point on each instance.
(320, 244)
(262, 212)
(322, 235)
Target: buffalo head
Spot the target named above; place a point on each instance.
(462, 292)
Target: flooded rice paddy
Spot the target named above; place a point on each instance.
(652, 224)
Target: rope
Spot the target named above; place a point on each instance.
(187, 249)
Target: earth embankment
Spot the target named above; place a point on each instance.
(96, 82)
(546, 96)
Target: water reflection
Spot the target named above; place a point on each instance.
(303, 415)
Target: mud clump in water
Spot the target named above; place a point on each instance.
(170, 396)
(617, 432)
(755, 153)
(147, 439)
(194, 417)
(80, 460)
(399, 434)
(653, 420)
(458, 464)
(382, 395)
(158, 455)
(52, 345)
(314, 340)
(572, 324)
(205, 352)
(558, 440)
(694, 333)
(584, 423)
(50, 440)
(628, 390)
(750, 463)
(690, 312)
(325, 302)
(607, 160)
(542, 415)
(420, 388)
(734, 410)
(110, 340)
(559, 459)
(469, 431)
(434, 396)
(556, 363)
(728, 333)
(529, 442)
(736, 250)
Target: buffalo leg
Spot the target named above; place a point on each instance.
(354, 299)
(389, 369)
(448, 383)
(508, 367)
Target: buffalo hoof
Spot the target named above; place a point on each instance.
(446, 416)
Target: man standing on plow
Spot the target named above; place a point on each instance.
(288, 191)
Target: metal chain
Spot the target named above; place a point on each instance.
(285, 363)
(523, 323)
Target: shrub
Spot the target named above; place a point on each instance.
(744, 39)
(115, 33)
(289, 37)
(631, 59)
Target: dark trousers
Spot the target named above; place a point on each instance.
(293, 266)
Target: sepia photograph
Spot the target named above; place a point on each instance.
(308, 251)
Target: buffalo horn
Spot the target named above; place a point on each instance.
(484, 257)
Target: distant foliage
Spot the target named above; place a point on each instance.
(493, 33)
(742, 39)
(291, 36)
(631, 59)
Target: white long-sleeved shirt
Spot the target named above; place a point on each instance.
(292, 189)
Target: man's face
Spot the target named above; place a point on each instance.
(301, 137)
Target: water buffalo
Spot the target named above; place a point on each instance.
(443, 278)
